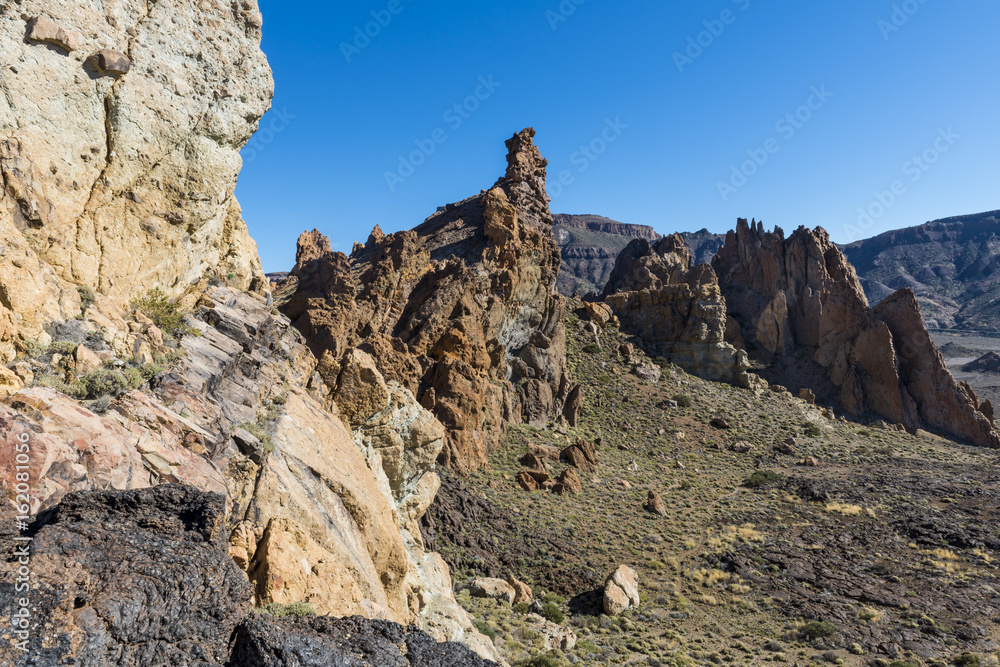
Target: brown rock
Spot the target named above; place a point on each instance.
(787, 447)
(522, 591)
(799, 299)
(574, 406)
(493, 589)
(599, 313)
(527, 482)
(361, 390)
(112, 62)
(463, 304)
(655, 504)
(43, 29)
(581, 455)
(720, 423)
(86, 361)
(533, 461)
(9, 382)
(809, 462)
(807, 395)
(677, 310)
(741, 447)
(568, 482)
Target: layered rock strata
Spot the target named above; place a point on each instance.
(120, 131)
(678, 311)
(460, 311)
(799, 299)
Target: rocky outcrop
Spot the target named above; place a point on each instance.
(261, 641)
(621, 591)
(802, 312)
(128, 578)
(589, 245)
(120, 131)
(460, 311)
(678, 311)
(244, 414)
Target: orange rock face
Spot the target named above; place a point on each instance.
(462, 310)
(801, 310)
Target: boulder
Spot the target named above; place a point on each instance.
(86, 360)
(556, 636)
(522, 591)
(655, 504)
(44, 30)
(647, 372)
(574, 406)
(568, 482)
(534, 462)
(582, 455)
(493, 589)
(621, 591)
(741, 447)
(109, 61)
(598, 313)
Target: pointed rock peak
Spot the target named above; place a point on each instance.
(311, 246)
(376, 236)
(524, 160)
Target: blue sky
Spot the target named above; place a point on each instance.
(678, 115)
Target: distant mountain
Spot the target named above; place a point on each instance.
(952, 265)
(589, 246)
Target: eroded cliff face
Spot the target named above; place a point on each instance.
(120, 130)
(461, 311)
(677, 310)
(803, 314)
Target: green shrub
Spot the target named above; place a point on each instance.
(258, 432)
(966, 660)
(107, 382)
(813, 431)
(585, 647)
(62, 347)
(553, 598)
(522, 608)
(762, 478)
(592, 348)
(297, 609)
(684, 400)
(87, 297)
(538, 661)
(485, 629)
(662, 362)
(164, 314)
(551, 612)
(818, 630)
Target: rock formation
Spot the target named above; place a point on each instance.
(243, 414)
(136, 578)
(589, 245)
(460, 311)
(120, 130)
(678, 311)
(803, 314)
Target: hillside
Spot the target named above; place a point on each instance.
(589, 245)
(952, 265)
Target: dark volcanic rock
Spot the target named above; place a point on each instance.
(589, 245)
(988, 363)
(130, 578)
(263, 641)
(461, 310)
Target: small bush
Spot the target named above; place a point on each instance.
(538, 661)
(813, 431)
(585, 647)
(762, 478)
(551, 612)
(297, 609)
(966, 660)
(592, 348)
(106, 382)
(62, 347)
(164, 314)
(87, 297)
(485, 629)
(818, 630)
(522, 608)
(662, 362)
(902, 663)
(684, 401)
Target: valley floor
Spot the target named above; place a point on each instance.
(859, 545)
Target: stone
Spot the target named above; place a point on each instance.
(582, 455)
(262, 640)
(787, 447)
(112, 62)
(568, 482)
(533, 461)
(106, 554)
(647, 372)
(655, 504)
(361, 389)
(527, 482)
(450, 306)
(741, 447)
(720, 423)
(621, 591)
(574, 406)
(808, 396)
(45, 30)
(86, 360)
(555, 635)
(809, 462)
(10, 382)
(599, 313)
(492, 589)
(522, 591)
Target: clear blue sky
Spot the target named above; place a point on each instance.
(338, 127)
